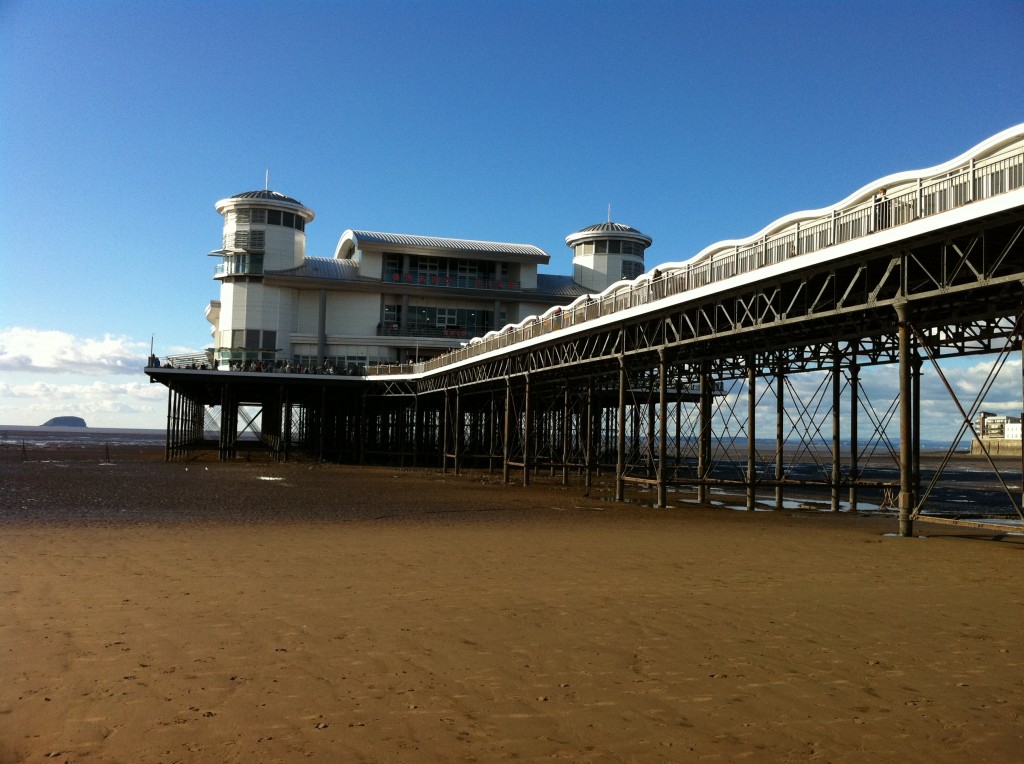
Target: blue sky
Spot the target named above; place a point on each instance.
(123, 122)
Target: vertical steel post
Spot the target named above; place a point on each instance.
(704, 434)
(589, 436)
(751, 433)
(854, 406)
(565, 433)
(620, 461)
(415, 428)
(457, 429)
(444, 433)
(492, 432)
(169, 428)
(906, 501)
(915, 398)
(662, 429)
(507, 431)
(837, 389)
(780, 437)
(527, 432)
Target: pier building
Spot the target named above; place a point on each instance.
(383, 298)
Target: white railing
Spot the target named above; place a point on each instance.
(931, 195)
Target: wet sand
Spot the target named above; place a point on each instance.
(160, 612)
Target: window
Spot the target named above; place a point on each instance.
(242, 217)
(601, 247)
(250, 240)
(269, 339)
(273, 217)
(252, 339)
(288, 219)
(259, 217)
(427, 264)
(631, 269)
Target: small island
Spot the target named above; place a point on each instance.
(65, 421)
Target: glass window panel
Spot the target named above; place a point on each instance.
(273, 217)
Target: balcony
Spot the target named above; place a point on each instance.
(242, 265)
(449, 280)
(447, 331)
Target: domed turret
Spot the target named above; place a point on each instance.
(606, 253)
(264, 231)
(265, 224)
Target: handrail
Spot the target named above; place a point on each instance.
(954, 184)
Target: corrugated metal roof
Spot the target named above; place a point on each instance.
(455, 245)
(560, 287)
(323, 268)
(266, 195)
(608, 228)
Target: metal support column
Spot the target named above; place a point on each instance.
(780, 436)
(906, 501)
(915, 397)
(837, 390)
(704, 434)
(507, 431)
(751, 433)
(565, 433)
(620, 463)
(457, 429)
(854, 447)
(662, 430)
(170, 424)
(527, 432)
(588, 447)
(444, 433)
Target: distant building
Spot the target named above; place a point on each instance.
(1000, 435)
(384, 297)
(989, 425)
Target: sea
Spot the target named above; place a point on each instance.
(22, 435)
(967, 488)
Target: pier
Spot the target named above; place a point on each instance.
(683, 381)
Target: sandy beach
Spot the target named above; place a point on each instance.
(159, 612)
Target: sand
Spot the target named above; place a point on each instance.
(160, 612)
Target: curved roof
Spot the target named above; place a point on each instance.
(355, 239)
(605, 230)
(326, 268)
(266, 194)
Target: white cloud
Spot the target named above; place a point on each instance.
(39, 351)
